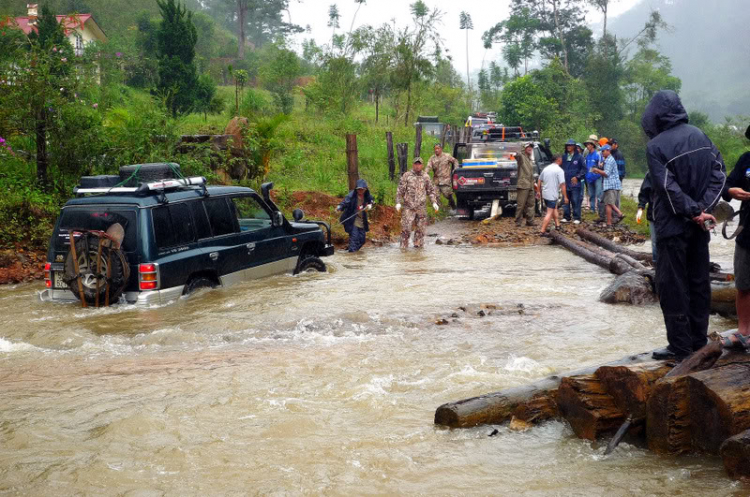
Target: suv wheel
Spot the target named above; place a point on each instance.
(310, 264)
(198, 283)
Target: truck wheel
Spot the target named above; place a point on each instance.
(198, 283)
(471, 214)
(86, 252)
(310, 264)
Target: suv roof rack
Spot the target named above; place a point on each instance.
(146, 188)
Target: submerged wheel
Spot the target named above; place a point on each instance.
(310, 264)
(198, 283)
(86, 251)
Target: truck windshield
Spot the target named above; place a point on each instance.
(495, 150)
(96, 217)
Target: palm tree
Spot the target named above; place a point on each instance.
(467, 24)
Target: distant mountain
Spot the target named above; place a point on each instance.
(709, 46)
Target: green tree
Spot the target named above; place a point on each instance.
(412, 50)
(604, 75)
(378, 62)
(176, 41)
(280, 75)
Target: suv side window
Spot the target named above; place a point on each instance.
(220, 216)
(250, 215)
(202, 228)
(173, 225)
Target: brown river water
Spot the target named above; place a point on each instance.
(326, 384)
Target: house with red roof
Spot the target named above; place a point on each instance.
(81, 29)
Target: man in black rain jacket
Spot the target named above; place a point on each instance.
(687, 175)
(353, 210)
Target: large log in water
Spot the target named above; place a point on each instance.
(607, 260)
(588, 408)
(533, 402)
(667, 417)
(631, 386)
(612, 246)
(735, 451)
(719, 403)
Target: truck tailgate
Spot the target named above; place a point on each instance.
(475, 179)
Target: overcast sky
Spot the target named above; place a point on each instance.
(484, 14)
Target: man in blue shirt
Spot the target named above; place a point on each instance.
(575, 171)
(593, 180)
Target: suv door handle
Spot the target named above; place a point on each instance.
(250, 247)
(214, 255)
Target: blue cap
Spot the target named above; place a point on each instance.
(570, 142)
(606, 147)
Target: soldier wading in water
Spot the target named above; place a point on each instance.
(441, 165)
(413, 189)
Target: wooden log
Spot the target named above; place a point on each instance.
(597, 239)
(498, 407)
(614, 264)
(735, 452)
(391, 156)
(587, 407)
(538, 408)
(631, 386)
(719, 403)
(402, 149)
(352, 160)
(667, 417)
(418, 141)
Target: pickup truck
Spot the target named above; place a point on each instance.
(485, 182)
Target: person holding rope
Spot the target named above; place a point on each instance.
(353, 210)
(738, 188)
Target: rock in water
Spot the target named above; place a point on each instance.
(630, 288)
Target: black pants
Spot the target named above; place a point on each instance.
(684, 289)
(357, 238)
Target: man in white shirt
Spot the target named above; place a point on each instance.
(551, 181)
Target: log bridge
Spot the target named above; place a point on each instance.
(702, 405)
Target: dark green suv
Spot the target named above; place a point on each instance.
(179, 235)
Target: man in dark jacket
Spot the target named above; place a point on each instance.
(687, 174)
(575, 171)
(619, 158)
(354, 216)
(738, 188)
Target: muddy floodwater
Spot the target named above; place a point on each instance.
(326, 384)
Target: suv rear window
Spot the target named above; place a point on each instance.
(173, 225)
(96, 217)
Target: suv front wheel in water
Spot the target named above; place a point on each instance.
(310, 264)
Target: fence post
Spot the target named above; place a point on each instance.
(352, 160)
(391, 158)
(418, 141)
(403, 152)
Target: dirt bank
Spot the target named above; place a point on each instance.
(21, 264)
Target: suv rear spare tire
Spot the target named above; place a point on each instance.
(309, 264)
(87, 248)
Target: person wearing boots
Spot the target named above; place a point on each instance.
(442, 165)
(525, 193)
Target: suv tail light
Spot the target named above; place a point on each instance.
(455, 181)
(48, 275)
(148, 276)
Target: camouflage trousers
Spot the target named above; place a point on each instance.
(417, 219)
(445, 190)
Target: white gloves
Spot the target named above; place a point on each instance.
(398, 207)
(435, 206)
(368, 207)
(638, 216)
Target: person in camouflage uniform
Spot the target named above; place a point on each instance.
(413, 189)
(441, 165)
(525, 194)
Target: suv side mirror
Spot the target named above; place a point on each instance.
(277, 218)
(298, 215)
(546, 142)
